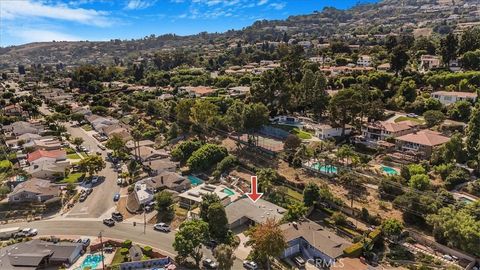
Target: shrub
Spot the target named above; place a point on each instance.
(354, 250)
(124, 251)
(127, 244)
(184, 150)
(148, 250)
(206, 156)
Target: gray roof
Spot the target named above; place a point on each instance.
(257, 212)
(317, 236)
(29, 255)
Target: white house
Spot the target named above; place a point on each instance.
(428, 62)
(326, 131)
(364, 61)
(447, 98)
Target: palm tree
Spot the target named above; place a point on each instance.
(137, 136)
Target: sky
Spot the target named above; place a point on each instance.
(25, 21)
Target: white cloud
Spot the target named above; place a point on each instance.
(262, 2)
(278, 6)
(29, 9)
(39, 35)
(139, 4)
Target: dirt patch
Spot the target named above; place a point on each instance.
(122, 208)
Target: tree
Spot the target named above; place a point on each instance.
(295, 211)
(267, 241)
(173, 131)
(116, 144)
(266, 178)
(224, 254)
(460, 110)
(457, 176)
(206, 156)
(399, 59)
(471, 60)
(255, 116)
(408, 90)
(344, 107)
(292, 142)
(473, 133)
(189, 238)
(77, 141)
(165, 205)
(272, 90)
(433, 117)
(181, 152)
(448, 48)
(234, 117)
(92, 164)
(207, 200)
(339, 218)
(419, 181)
(392, 228)
(183, 113)
(203, 114)
(218, 222)
(470, 40)
(311, 194)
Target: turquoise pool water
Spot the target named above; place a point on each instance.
(389, 170)
(465, 200)
(228, 191)
(91, 261)
(194, 180)
(325, 168)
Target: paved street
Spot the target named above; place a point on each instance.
(101, 199)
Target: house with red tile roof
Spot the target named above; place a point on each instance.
(41, 156)
(420, 143)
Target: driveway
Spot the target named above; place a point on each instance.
(101, 200)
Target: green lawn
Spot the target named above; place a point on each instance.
(87, 127)
(69, 150)
(301, 134)
(118, 258)
(180, 211)
(5, 165)
(73, 178)
(406, 118)
(73, 156)
(295, 194)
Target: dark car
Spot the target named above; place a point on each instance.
(117, 216)
(109, 222)
(85, 242)
(116, 197)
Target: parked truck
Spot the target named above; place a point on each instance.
(7, 233)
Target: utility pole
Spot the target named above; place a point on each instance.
(144, 220)
(101, 249)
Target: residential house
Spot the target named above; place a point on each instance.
(21, 127)
(147, 153)
(41, 156)
(157, 166)
(447, 97)
(245, 212)
(238, 91)
(428, 62)
(374, 132)
(167, 180)
(326, 131)
(47, 143)
(48, 170)
(156, 263)
(34, 190)
(197, 91)
(384, 67)
(287, 120)
(99, 122)
(14, 110)
(83, 110)
(131, 145)
(143, 194)
(24, 138)
(420, 143)
(39, 254)
(193, 197)
(364, 61)
(312, 241)
(119, 129)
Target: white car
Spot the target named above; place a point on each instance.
(120, 181)
(412, 115)
(250, 265)
(161, 227)
(27, 232)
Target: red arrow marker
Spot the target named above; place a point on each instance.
(254, 195)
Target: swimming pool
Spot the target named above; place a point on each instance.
(228, 191)
(325, 168)
(465, 200)
(389, 170)
(194, 180)
(91, 261)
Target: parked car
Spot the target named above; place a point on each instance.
(27, 232)
(412, 115)
(150, 206)
(299, 260)
(116, 197)
(83, 197)
(161, 227)
(109, 222)
(85, 242)
(117, 216)
(210, 264)
(250, 265)
(89, 191)
(120, 181)
(101, 146)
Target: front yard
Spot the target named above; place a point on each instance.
(73, 178)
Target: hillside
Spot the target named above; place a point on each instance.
(385, 17)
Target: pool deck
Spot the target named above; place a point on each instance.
(108, 260)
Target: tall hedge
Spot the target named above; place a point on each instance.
(206, 156)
